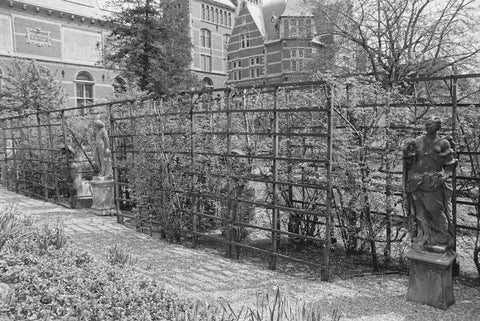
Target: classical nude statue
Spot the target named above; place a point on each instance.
(102, 154)
(429, 161)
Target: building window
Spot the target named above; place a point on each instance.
(212, 13)
(84, 89)
(229, 19)
(216, 16)
(208, 13)
(205, 38)
(254, 61)
(206, 62)
(225, 18)
(237, 70)
(245, 38)
(226, 39)
(207, 83)
(255, 72)
(221, 17)
(203, 12)
(1, 79)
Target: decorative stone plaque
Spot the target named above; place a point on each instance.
(38, 37)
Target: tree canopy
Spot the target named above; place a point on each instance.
(150, 42)
(28, 86)
(406, 38)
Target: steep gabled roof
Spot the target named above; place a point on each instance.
(257, 16)
(226, 3)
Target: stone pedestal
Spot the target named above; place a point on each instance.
(431, 278)
(102, 196)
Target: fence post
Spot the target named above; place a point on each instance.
(40, 145)
(275, 212)
(68, 177)
(454, 85)
(229, 247)
(328, 220)
(193, 198)
(52, 158)
(113, 150)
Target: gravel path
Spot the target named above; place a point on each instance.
(203, 274)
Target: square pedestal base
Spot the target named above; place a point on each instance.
(102, 196)
(430, 280)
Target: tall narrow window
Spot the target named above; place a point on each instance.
(226, 39)
(229, 19)
(225, 18)
(245, 38)
(203, 12)
(208, 13)
(205, 38)
(206, 62)
(221, 17)
(212, 14)
(216, 16)
(84, 89)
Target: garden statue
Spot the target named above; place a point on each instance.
(102, 185)
(429, 161)
(101, 155)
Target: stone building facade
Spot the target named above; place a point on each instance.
(211, 23)
(276, 41)
(66, 37)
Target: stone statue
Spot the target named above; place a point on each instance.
(101, 155)
(428, 163)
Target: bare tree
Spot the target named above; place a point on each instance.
(405, 38)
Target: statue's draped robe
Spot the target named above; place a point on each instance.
(429, 192)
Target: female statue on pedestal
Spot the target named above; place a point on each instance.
(429, 161)
(101, 154)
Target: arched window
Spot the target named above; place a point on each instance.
(245, 38)
(207, 83)
(208, 13)
(119, 85)
(216, 16)
(221, 17)
(229, 19)
(203, 12)
(84, 89)
(212, 13)
(205, 38)
(225, 18)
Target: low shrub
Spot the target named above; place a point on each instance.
(53, 280)
(13, 226)
(120, 256)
